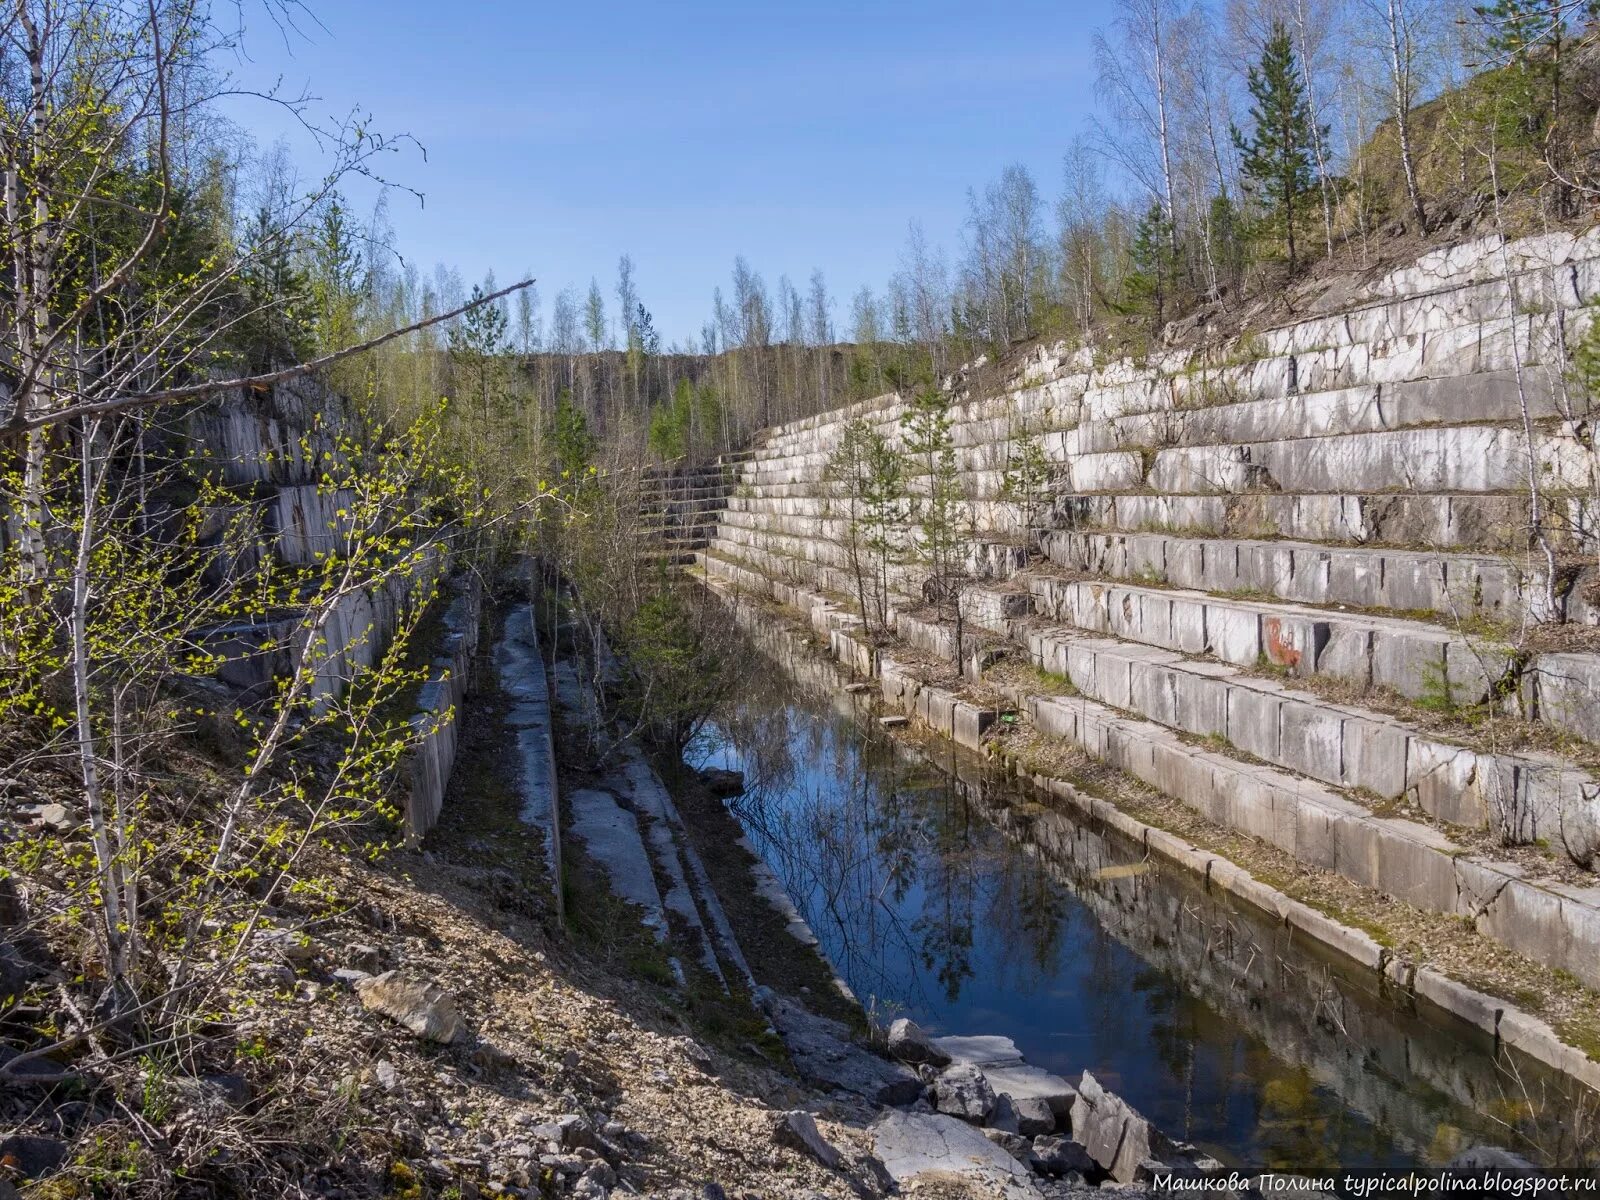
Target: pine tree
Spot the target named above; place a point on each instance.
(1276, 159)
(1149, 284)
(337, 276)
(594, 317)
(1525, 39)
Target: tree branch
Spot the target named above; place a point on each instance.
(200, 391)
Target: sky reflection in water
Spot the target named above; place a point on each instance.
(928, 910)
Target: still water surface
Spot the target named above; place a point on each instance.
(946, 894)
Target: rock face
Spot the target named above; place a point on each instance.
(1313, 497)
(909, 1043)
(421, 1005)
(1113, 1133)
(915, 1144)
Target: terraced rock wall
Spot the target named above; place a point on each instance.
(1285, 580)
(270, 449)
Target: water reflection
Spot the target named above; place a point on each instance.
(952, 897)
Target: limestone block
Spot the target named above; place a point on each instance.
(969, 723)
(1233, 633)
(1565, 692)
(1253, 721)
(1178, 771)
(1415, 865)
(1252, 805)
(1202, 700)
(1531, 919)
(1320, 829)
(1153, 692)
(937, 707)
(1580, 912)
(1375, 752)
(1343, 649)
(1440, 780)
(898, 685)
(1311, 740)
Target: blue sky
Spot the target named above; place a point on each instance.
(559, 137)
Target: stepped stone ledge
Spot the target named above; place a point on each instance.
(1222, 535)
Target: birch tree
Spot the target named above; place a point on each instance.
(1135, 66)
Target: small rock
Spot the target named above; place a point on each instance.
(15, 971)
(713, 1191)
(601, 1174)
(962, 1091)
(798, 1131)
(363, 957)
(57, 817)
(349, 976)
(614, 1129)
(910, 1044)
(723, 783)
(486, 1056)
(574, 1131)
(1114, 1134)
(30, 1156)
(1057, 1156)
(231, 1086)
(697, 1054)
(564, 1164)
(388, 1078)
(287, 944)
(421, 1005)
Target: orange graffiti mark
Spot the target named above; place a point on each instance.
(1279, 649)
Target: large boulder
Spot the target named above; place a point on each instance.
(908, 1042)
(962, 1091)
(823, 1051)
(931, 1144)
(1114, 1134)
(1034, 1116)
(421, 1005)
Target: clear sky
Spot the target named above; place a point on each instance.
(560, 136)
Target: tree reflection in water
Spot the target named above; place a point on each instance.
(946, 894)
